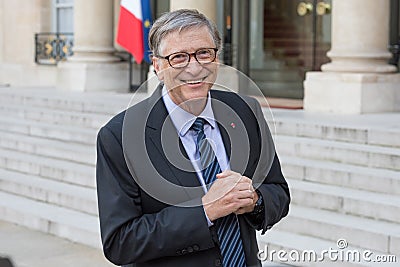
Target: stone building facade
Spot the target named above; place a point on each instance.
(333, 54)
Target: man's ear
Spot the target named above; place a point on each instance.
(157, 68)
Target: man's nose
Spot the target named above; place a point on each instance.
(194, 67)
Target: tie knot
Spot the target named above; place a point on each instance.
(198, 125)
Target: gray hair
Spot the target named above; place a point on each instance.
(180, 20)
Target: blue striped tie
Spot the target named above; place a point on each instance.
(228, 226)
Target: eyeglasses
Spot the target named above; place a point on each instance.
(181, 59)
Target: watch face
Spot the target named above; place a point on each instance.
(258, 206)
(257, 210)
(260, 200)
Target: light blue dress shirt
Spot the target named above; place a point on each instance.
(183, 120)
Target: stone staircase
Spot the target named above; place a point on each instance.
(343, 171)
(47, 159)
(344, 176)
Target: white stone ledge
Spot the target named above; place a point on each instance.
(346, 93)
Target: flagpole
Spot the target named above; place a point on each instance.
(130, 72)
(144, 69)
(133, 87)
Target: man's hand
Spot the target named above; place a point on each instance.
(247, 208)
(230, 193)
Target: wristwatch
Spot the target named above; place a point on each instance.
(259, 206)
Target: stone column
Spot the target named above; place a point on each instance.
(1, 31)
(93, 67)
(207, 7)
(359, 79)
(93, 28)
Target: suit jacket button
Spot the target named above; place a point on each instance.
(184, 251)
(269, 227)
(179, 252)
(190, 249)
(196, 247)
(218, 262)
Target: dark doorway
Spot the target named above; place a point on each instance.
(287, 39)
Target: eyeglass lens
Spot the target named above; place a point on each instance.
(181, 59)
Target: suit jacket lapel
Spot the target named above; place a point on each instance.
(165, 139)
(233, 132)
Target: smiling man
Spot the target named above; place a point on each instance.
(185, 177)
(174, 60)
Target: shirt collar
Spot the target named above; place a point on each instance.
(182, 119)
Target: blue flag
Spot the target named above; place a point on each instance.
(147, 22)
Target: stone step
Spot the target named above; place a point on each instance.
(357, 154)
(55, 169)
(88, 120)
(109, 103)
(46, 250)
(360, 232)
(362, 129)
(49, 131)
(80, 153)
(299, 250)
(70, 224)
(343, 175)
(66, 195)
(378, 206)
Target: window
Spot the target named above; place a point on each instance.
(63, 16)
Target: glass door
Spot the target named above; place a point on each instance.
(287, 39)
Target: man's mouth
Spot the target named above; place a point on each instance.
(194, 81)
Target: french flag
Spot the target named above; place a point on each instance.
(133, 28)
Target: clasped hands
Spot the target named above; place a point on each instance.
(230, 193)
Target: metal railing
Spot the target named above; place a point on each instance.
(395, 50)
(51, 48)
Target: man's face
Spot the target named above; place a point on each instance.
(193, 81)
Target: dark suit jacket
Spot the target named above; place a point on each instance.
(147, 204)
